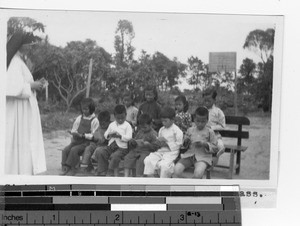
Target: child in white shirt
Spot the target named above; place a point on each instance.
(170, 138)
(119, 132)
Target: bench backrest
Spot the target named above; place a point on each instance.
(238, 133)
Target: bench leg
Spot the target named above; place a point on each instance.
(208, 174)
(238, 162)
(232, 152)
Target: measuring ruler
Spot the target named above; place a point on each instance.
(119, 205)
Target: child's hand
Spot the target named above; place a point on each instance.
(76, 135)
(139, 142)
(201, 144)
(198, 144)
(115, 135)
(186, 142)
(132, 143)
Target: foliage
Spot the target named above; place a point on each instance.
(23, 24)
(67, 68)
(199, 73)
(123, 38)
(262, 43)
(57, 121)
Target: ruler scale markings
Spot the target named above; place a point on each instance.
(227, 213)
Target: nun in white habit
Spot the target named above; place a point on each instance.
(24, 145)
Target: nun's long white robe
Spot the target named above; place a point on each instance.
(24, 145)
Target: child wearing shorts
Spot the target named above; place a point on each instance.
(203, 143)
(216, 115)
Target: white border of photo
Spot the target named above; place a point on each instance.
(219, 7)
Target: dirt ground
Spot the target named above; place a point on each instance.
(255, 162)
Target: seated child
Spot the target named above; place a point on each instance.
(82, 131)
(143, 144)
(183, 118)
(97, 141)
(170, 139)
(131, 110)
(150, 106)
(119, 132)
(216, 116)
(203, 143)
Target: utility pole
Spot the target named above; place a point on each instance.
(89, 79)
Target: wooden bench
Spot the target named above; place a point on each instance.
(237, 149)
(233, 150)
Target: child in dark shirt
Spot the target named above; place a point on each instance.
(98, 140)
(151, 107)
(143, 144)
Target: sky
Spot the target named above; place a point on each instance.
(175, 35)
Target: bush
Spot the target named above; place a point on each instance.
(57, 121)
(166, 99)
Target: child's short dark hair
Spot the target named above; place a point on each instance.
(167, 112)
(119, 109)
(144, 119)
(89, 103)
(104, 116)
(210, 92)
(153, 89)
(202, 111)
(129, 94)
(183, 99)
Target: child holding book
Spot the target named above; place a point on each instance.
(170, 139)
(203, 143)
(118, 133)
(144, 143)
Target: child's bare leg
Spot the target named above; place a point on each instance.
(178, 170)
(200, 168)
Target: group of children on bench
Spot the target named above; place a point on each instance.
(147, 139)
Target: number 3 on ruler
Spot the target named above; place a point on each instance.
(181, 217)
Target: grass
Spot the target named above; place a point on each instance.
(57, 121)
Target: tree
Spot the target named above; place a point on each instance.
(23, 24)
(247, 80)
(166, 72)
(200, 77)
(123, 38)
(67, 68)
(247, 84)
(265, 84)
(262, 43)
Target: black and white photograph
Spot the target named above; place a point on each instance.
(153, 93)
(142, 95)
